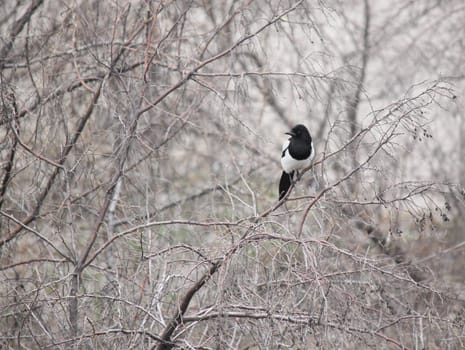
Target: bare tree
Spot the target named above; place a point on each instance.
(140, 145)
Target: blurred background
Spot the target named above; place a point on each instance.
(140, 146)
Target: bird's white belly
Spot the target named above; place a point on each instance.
(289, 164)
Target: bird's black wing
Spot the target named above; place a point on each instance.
(283, 154)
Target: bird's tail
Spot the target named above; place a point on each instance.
(285, 184)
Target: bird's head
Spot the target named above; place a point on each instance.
(299, 132)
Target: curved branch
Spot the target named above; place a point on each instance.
(177, 319)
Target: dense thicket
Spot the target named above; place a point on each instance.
(139, 165)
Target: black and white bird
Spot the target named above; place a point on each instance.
(297, 154)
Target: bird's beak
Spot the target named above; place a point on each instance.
(290, 133)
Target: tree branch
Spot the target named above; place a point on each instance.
(17, 28)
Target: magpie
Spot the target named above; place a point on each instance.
(297, 153)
